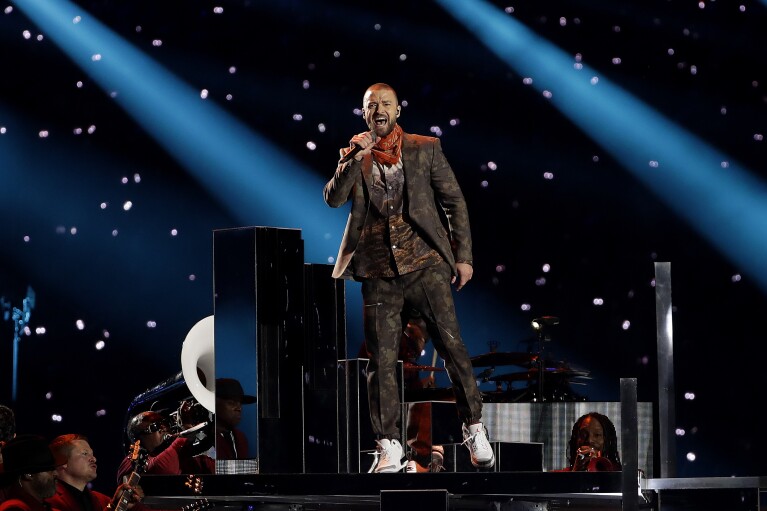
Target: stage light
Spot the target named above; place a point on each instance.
(245, 172)
(726, 207)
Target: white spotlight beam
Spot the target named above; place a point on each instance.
(720, 199)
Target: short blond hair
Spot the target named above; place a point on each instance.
(62, 446)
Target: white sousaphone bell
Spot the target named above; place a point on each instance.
(197, 354)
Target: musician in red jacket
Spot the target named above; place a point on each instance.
(28, 473)
(79, 469)
(168, 454)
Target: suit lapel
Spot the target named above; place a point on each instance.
(409, 164)
(367, 170)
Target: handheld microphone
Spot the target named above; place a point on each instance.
(357, 148)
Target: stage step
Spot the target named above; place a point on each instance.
(509, 457)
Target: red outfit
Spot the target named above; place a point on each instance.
(599, 464)
(69, 498)
(19, 500)
(231, 445)
(177, 458)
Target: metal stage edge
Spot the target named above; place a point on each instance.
(465, 490)
(462, 491)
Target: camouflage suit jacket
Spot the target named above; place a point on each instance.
(434, 201)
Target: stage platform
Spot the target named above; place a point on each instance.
(309, 431)
(451, 491)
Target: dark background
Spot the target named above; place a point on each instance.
(598, 228)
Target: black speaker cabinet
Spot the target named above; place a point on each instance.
(259, 337)
(325, 344)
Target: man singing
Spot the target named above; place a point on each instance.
(406, 252)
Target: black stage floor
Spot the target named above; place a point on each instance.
(400, 491)
(497, 491)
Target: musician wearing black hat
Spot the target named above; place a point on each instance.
(231, 443)
(28, 472)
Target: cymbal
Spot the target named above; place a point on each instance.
(421, 368)
(532, 374)
(496, 358)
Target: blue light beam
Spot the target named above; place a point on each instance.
(257, 183)
(722, 201)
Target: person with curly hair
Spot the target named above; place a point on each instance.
(593, 445)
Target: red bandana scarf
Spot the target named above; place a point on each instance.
(387, 150)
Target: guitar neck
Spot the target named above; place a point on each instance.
(134, 478)
(125, 495)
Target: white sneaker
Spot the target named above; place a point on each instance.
(437, 459)
(411, 467)
(475, 439)
(388, 456)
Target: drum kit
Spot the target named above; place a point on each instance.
(543, 379)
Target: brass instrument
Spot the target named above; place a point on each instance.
(197, 357)
(184, 414)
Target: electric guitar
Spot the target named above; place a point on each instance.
(122, 498)
(198, 505)
(194, 483)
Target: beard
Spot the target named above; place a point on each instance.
(43, 486)
(382, 131)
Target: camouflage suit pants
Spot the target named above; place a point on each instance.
(387, 302)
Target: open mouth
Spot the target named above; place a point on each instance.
(380, 120)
